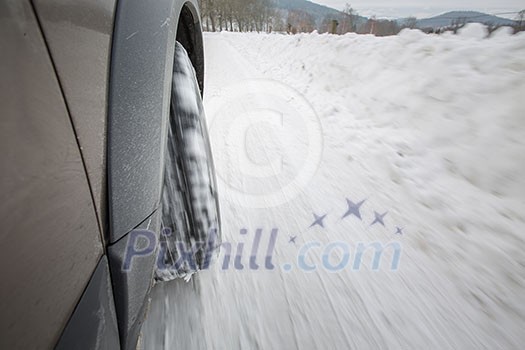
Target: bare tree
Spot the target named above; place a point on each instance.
(300, 21)
(459, 23)
(410, 22)
(520, 19)
(326, 24)
(386, 27)
(277, 21)
(347, 20)
(371, 25)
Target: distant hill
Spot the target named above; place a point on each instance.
(319, 12)
(446, 19)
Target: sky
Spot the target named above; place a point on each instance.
(425, 8)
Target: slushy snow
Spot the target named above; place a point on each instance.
(430, 129)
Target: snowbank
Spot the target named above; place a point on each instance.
(429, 128)
(432, 127)
(457, 97)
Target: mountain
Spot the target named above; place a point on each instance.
(319, 12)
(446, 19)
(316, 10)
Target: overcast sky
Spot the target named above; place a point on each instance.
(424, 8)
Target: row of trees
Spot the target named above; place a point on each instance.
(237, 15)
(262, 15)
(350, 21)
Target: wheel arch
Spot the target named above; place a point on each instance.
(140, 81)
(189, 34)
(138, 104)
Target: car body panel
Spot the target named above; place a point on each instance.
(79, 141)
(133, 277)
(78, 34)
(94, 323)
(50, 240)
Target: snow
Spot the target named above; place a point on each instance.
(474, 31)
(502, 32)
(430, 129)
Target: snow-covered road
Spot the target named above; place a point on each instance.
(429, 130)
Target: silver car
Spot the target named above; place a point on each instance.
(107, 178)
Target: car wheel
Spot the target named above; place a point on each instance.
(189, 207)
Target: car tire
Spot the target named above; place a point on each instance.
(189, 208)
